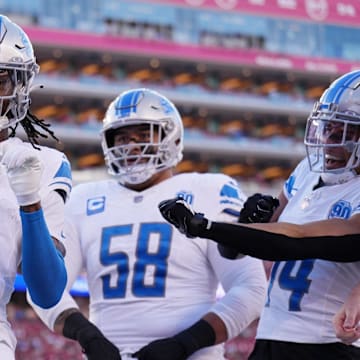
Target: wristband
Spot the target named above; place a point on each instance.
(196, 337)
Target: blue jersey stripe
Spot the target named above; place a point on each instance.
(229, 191)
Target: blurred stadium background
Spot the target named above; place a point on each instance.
(244, 74)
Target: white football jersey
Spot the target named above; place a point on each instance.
(304, 295)
(56, 175)
(146, 280)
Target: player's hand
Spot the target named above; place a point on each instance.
(258, 208)
(94, 344)
(180, 214)
(346, 320)
(163, 349)
(24, 171)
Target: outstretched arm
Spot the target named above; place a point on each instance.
(267, 245)
(272, 241)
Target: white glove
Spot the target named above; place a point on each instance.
(24, 170)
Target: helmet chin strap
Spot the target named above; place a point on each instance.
(335, 179)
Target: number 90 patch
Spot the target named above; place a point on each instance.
(341, 209)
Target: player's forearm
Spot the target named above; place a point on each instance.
(43, 266)
(244, 298)
(333, 227)
(35, 207)
(278, 247)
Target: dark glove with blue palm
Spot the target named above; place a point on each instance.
(180, 214)
(257, 208)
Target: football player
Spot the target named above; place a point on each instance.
(152, 293)
(319, 199)
(35, 179)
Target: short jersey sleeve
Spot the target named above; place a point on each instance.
(57, 173)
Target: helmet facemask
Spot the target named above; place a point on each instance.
(332, 141)
(14, 94)
(332, 135)
(135, 160)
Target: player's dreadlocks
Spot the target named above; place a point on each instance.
(29, 123)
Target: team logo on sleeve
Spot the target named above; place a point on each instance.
(229, 194)
(289, 186)
(230, 198)
(229, 190)
(95, 205)
(188, 197)
(341, 209)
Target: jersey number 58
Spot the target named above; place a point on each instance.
(144, 258)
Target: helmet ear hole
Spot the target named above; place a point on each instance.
(114, 168)
(109, 137)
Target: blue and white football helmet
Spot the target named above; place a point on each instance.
(333, 125)
(18, 68)
(139, 107)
